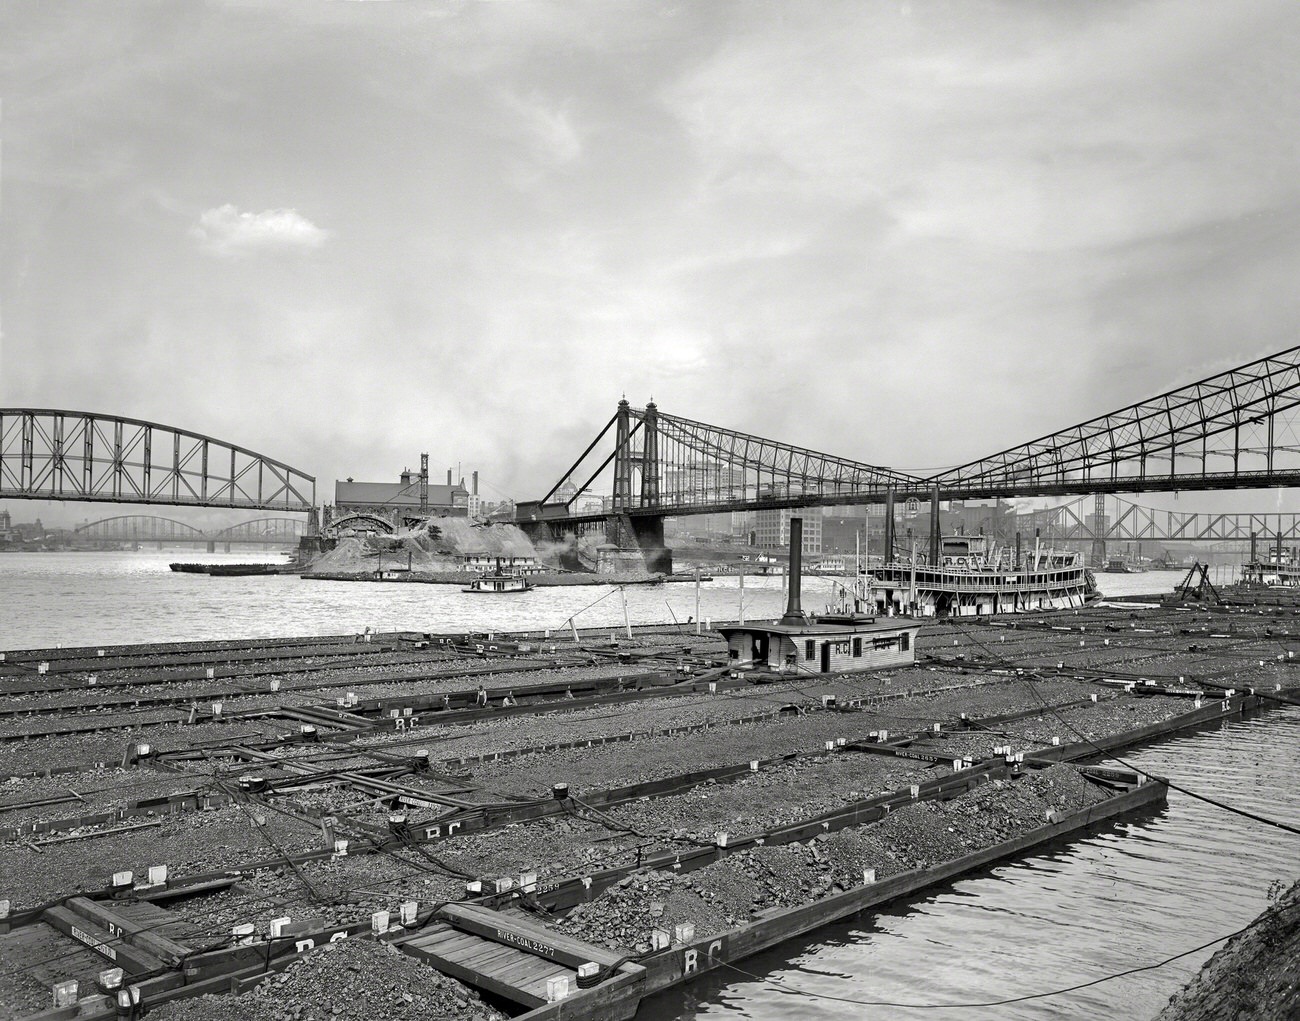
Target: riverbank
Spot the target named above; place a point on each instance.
(538, 580)
(1255, 975)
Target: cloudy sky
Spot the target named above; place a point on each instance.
(908, 233)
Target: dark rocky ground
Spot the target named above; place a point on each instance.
(1253, 976)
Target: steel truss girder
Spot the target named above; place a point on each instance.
(704, 465)
(1178, 440)
(1135, 523)
(48, 454)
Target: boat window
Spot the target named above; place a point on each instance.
(904, 641)
(809, 649)
(857, 646)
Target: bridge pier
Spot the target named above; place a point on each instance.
(642, 534)
(934, 526)
(212, 546)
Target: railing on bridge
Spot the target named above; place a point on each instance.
(74, 455)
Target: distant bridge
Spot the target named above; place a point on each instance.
(75, 455)
(277, 531)
(1130, 522)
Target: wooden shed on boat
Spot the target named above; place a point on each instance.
(827, 643)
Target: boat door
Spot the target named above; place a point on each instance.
(826, 657)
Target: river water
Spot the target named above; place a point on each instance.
(1138, 892)
(47, 599)
(1135, 893)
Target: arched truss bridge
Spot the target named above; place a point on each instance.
(274, 531)
(75, 455)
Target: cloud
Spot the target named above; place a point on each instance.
(227, 232)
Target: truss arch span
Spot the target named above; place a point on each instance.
(138, 526)
(51, 454)
(262, 528)
(354, 522)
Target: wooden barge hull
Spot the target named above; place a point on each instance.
(622, 995)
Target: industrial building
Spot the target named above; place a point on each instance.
(407, 501)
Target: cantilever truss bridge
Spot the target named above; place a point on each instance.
(75, 455)
(1239, 429)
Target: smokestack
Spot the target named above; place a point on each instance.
(793, 612)
(449, 476)
(475, 489)
(889, 526)
(934, 526)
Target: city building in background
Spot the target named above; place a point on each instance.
(772, 529)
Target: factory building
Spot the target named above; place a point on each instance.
(408, 500)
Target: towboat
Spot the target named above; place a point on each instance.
(499, 583)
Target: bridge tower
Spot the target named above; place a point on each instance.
(645, 534)
(1099, 530)
(623, 457)
(650, 457)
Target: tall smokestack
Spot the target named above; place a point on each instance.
(449, 476)
(793, 612)
(475, 489)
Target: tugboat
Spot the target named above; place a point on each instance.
(973, 579)
(499, 582)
